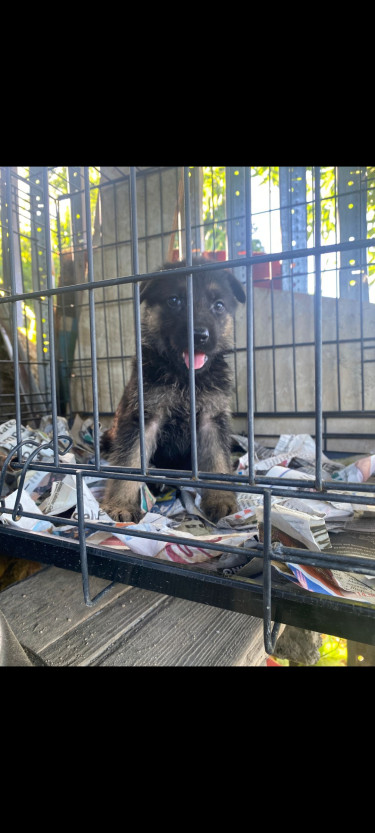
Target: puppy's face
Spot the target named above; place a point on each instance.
(165, 322)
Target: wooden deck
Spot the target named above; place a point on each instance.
(128, 627)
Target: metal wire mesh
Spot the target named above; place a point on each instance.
(77, 245)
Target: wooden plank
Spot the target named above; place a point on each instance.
(128, 627)
(88, 641)
(190, 634)
(43, 607)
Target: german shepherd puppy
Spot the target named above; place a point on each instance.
(165, 361)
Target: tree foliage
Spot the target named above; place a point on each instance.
(214, 210)
(60, 224)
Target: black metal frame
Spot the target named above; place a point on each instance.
(271, 600)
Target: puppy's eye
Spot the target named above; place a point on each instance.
(174, 302)
(219, 307)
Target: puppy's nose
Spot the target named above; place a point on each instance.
(201, 335)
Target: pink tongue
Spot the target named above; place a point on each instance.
(199, 360)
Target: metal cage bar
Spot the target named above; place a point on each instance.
(14, 307)
(137, 313)
(51, 326)
(249, 331)
(189, 296)
(318, 340)
(90, 263)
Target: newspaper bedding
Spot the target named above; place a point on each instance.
(340, 528)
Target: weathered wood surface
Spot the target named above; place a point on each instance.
(128, 627)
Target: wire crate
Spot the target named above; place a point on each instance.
(76, 246)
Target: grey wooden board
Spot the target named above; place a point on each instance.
(190, 634)
(128, 627)
(92, 637)
(42, 608)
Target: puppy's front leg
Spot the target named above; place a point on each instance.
(213, 439)
(122, 497)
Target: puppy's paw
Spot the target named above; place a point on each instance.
(217, 505)
(130, 513)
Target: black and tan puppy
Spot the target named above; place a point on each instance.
(165, 361)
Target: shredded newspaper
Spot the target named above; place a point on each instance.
(318, 525)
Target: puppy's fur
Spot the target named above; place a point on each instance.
(165, 364)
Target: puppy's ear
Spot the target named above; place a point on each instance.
(236, 287)
(150, 290)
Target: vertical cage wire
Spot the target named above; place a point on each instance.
(189, 293)
(137, 312)
(116, 223)
(318, 337)
(15, 306)
(51, 326)
(94, 368)
(249, 329)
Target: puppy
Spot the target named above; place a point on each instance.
(165, 362)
